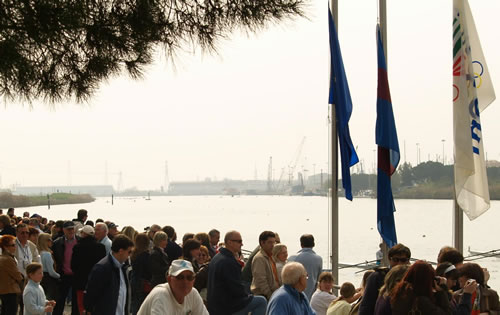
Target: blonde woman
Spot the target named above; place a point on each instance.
(280, 255)
(50, 279)
(130, 232)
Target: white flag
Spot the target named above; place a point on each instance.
(472, 92)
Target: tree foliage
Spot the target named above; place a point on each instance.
(62, 49)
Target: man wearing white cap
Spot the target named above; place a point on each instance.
(177, 297)
(86, 253)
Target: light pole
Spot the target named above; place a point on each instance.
(443, 141)
(417, 152)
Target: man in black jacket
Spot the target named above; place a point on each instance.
(107, 286)
(86, 253)
(225, 292)
(398, 255)
(63, 251)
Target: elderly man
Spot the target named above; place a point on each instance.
(177, 296)
(311, 261)
(290, 299)
(107, 286)
(226, 293)
(101, 235)
(26, 251)
(264, 273)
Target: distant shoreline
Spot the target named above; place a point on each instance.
(8, 200)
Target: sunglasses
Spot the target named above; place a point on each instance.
(182, 277)
(403, 260)
(237, 241)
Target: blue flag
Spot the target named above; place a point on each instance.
(388, 151)
(341, 97)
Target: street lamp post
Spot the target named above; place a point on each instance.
(418, 152)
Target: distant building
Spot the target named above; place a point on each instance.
(225, 187)
(94, 190)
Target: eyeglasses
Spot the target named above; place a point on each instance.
(237, 241)
(182, 277)
(402, 259)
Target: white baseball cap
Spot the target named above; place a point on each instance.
(179, 266)
(87, 229)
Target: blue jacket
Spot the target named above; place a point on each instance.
(226, 293)
(103, 285)
(288, 301)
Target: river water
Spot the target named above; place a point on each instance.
(423, 225)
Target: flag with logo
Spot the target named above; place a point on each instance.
(472, 93)
(341, 97)
(388, 151)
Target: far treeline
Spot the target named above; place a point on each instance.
(8, 200)
(428, 180)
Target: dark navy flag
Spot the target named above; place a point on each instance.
(388, 151)
(341, 97)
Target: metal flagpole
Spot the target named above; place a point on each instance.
(334, 176)
(458, 225)
(382, 15)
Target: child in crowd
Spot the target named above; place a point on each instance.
(33, 296)
(342, 305)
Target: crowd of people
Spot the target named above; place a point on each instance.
(93, 268)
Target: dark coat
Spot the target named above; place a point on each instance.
(422, 304)
(159, 266)
(141, 270)
(103, 287)
(86, 253)
(246, 273)
(370, 294)
(173, 250)
(58, 250)
(225, 291)
(488, 299)
(8, 230)
(201, 280)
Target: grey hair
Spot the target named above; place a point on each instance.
(159, 237)
(101, 224)
(292, 272)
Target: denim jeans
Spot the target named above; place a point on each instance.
(256, 307)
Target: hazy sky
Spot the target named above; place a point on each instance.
(223, 116)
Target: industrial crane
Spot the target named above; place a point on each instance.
(291, 166)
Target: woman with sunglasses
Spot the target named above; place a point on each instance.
(10, 277)
(200, 283)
